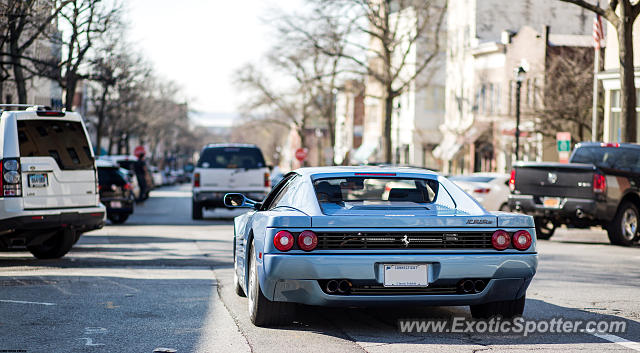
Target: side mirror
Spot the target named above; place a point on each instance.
(239, 200)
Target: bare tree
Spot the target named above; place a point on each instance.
(566, 99)
(27, 21)
(395, 28)
(86, 20)
(622, 14)
(291, 107)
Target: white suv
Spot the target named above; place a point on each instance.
(48, 189)
(224, 168)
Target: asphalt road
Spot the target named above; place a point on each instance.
(163, 280)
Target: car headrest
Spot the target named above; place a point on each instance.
(328, 193)
(411, 195)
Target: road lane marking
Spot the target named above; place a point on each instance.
(24, 302)
(94, 330)
(89, 342)
(617, 340)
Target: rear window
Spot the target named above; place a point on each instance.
(376, 190)
(64, 141)
(620, 158)
(110, 176)
(231, 157)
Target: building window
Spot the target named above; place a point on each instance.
(614, 117)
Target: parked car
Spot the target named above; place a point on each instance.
(600, 186)
(490, 189)
(318, 239)
(276, 176)
(224, 168)
(49, 186)
(116, 193)
(156, 175)
(139, 168)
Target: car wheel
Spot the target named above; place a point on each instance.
(55, 247)
(544, 228)
(196, 210)
(262, 311)
(624, 228)
(507, 309)
(118, 218)
(505, 208)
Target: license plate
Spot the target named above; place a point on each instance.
(406, 275)
(116, 204)
(38, 180)
(551, 202)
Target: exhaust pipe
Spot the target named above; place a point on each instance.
(332, 286)
(344, 286)
(478, 285)
(467, 286)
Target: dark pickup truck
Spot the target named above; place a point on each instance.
(600, 186)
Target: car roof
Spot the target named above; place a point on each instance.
(105, 163)
(364, 169)
(220, 145)
(604, 144)
(33, 114)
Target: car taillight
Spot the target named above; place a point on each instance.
(500, 240)
(196, 180)
(482, 190)
(307, 240)
(11, 180)
(283, 240)
(609, 144)
(599, 183)
(267, 180)
(512, 180)
(522, 240)
(127, 186)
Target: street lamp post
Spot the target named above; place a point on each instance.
(519, 73)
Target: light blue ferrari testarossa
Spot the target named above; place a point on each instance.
(365, 236)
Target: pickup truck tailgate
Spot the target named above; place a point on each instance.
(555, 179)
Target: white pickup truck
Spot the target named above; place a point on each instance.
(228, 168)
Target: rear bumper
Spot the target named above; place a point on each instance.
(81, 219)
(569, 207)
(126, 206)
(294, 278)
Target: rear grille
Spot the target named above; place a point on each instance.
(404, 240)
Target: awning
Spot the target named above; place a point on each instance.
(363, 153)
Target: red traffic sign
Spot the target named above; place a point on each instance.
(301, 154)
(139, 150)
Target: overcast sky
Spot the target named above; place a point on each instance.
(199, 43)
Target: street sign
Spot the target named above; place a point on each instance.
(301, 154)
(564, 146)
(139, 150)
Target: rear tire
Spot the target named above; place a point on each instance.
(544, 228)
(55, 247)
(118, 218)
(507, 309)
(623, 230)
(262, 311)
(196, 210)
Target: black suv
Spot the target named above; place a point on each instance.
(115, 192)
(600, 186)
